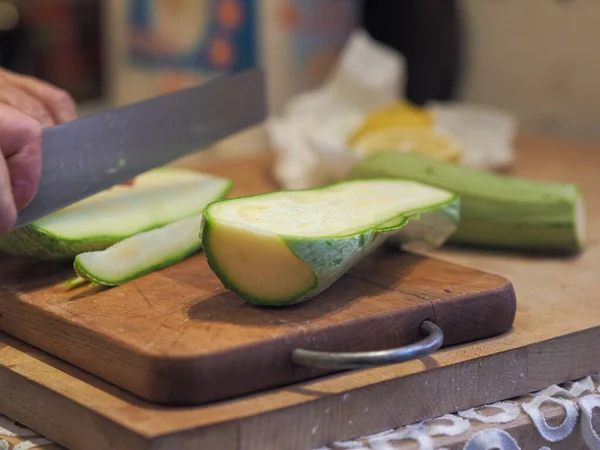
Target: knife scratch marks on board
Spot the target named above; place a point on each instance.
(146, 299)
(155, 333)
(215, 333)
(181, 332)
(64, 312)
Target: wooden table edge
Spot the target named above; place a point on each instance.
(385, 395)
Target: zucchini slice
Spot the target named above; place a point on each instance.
(156, 198)
(141, 254)
(285, 247)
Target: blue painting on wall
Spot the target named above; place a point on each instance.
(200, 35)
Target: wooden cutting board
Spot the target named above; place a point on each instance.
(555, 338)
(178, 337)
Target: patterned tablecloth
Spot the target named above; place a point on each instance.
(558, 417)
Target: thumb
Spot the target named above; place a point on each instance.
(8, 211)
(20, 143)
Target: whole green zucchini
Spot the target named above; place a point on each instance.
(496, 210)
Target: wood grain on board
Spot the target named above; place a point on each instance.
(555, 338)
(178, 337)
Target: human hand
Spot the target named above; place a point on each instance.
(20, 163)
(26, 106)
(37, 99)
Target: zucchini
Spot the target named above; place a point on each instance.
(156, 198)
(497, 211)
(140, 254)
(286, 247)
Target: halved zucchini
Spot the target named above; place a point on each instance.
(285, 247)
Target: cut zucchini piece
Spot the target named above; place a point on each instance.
(141, 254)
(285, 247)
(496, 210)
(156, 198)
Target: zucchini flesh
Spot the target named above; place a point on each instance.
(141, 254)
(156, 198)
(496, 210)
(286, 247)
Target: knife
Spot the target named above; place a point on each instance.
(91, 154)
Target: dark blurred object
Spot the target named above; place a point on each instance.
(59, 41)
(428, 34)
(11, 35)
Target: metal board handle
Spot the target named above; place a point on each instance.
(433, 339)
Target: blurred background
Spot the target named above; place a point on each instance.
(534, 58)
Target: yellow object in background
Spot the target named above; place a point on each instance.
(403, 127)
(398, 114)
(423, 140)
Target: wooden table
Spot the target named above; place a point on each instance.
(556, 335)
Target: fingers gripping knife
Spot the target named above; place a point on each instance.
(91, 154)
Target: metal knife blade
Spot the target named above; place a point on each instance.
(91, 154)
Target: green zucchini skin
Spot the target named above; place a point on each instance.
(34, 242)
(497, 211)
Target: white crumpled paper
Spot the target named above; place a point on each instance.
(486, 134)
(309, 138)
